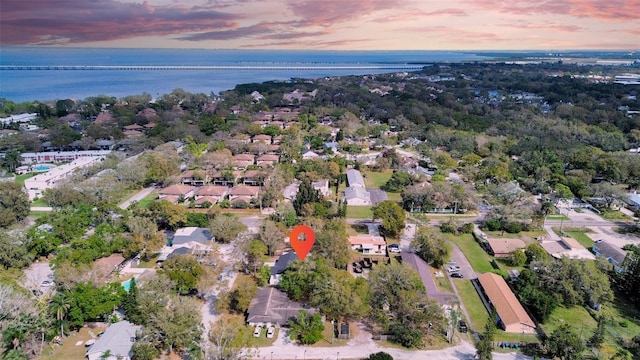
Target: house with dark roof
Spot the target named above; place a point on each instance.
(511, 316)
(115, 343)
(612, 253)
(281, 265)
(272, 306)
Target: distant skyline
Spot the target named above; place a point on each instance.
(325, 24)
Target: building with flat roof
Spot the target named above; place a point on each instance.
(61, 156)
(512, 317)
(38, 184)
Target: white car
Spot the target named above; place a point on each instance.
(393, 248)
(453, 268)
(271, 331)
(258, 331)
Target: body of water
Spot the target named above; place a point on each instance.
(23, 76)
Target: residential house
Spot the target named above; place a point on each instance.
(194, 177)
(262, 138)
(511, 316)
(132, 133)
(267, 160)
(115, 343)
(354, 178)
(243, 193)
(227, 178)
(277, 123)
(310, 155)
(502, 247)
(281, 265)
(190, 236)
(257, 96)
(368, 244)
(331, 145)
(272, 306)
(253, 178)
(241, 161)
(277, 139)
(133, 127)
(612, 253)
(323, 187)
(357, 196)
(176, 193)
(212, 194)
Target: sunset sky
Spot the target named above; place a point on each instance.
(324, 24)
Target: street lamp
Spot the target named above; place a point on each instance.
(304, 356)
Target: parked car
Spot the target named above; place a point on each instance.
(258, 331)
(457, 275)
(47, 283)
(453, 268)
(394, 248)
(462, 326)
(271, 331)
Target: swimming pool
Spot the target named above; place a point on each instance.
(42, 167)
(127, 285)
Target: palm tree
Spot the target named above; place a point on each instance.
(60, 305)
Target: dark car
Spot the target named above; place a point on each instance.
(457, 275)
(462, 326)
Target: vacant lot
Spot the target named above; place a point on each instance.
(376, 179)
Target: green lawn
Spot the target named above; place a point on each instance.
(583, 239)
(397, 197)
(557, 217)
(376, 179)
(626, 320)
(38, 214)
(614, 215)
(577, 316)
(472, 303)
(21, 178)
(359, 212)
(147, 200)
(479, 259)
(38, 202)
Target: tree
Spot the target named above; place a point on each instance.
(332, 243)
(226, 228)
(272, 235)
(130, 304)
(306, 329)
(392, 216)
(14, 203)
(338, 295)
(517, 257)
(245, 291)
(59, 306)
(535, 252)
(484, 345)
(226, 342)
(168, 215)
(608, 192)
(564, 343)
(431, 246)
(184, 270)
(306, 195)
(381, 355)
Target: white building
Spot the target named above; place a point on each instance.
(61, 156)
(22, 118)
(37, 184)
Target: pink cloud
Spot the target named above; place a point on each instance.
(77, 21)
(613, 10)
(330, 12)
(548, 26)
(412, 14)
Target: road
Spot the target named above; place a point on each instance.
(136, 197)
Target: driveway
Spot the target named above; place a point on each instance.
(465, 266)
(37, 273)
(427, 277)
(136, 197)
(252, 223)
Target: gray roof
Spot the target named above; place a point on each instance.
(271, 305)
(283, 262)
(118, 339)
(200, 235)
(354, 178)
(355, 192)
(609, 251)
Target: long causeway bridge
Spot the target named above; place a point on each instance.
(212, 67)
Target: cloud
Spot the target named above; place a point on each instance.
(412, 14)
(546, 26)
(611, 10)
(326, 13)
(78, 21)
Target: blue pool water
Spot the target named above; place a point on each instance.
(42, 168)
(127, 285)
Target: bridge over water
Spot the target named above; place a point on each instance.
(210, 67)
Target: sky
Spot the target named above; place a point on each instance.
(325, 24)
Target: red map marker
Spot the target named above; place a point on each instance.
(302, 239)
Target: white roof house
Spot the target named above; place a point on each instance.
(358, 196)
(354, 178)
(117, 340)
(37, 184)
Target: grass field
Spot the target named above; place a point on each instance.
(21, 178)
(479, 259)
(583, 239)
(359, 212)
(557, 217)
(376, 179)
(577, 316)
(38, 214)
(69, 349)
(147, 200)
(39, 202)
(614, 215)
